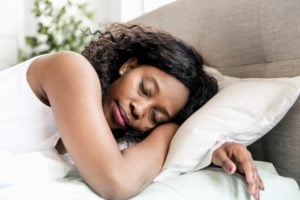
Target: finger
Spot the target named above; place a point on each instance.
(257, 182)
(221, 159)
(261, 184)
(252, 189)
(245, 163)
(245, 166)
(258, 195)
(254, 186)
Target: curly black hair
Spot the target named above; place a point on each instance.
(112, 47)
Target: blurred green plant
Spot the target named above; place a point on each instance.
(59, 27)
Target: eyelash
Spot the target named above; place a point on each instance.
(153, 117)
(144, 90)
(146, 93)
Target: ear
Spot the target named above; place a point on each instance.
(130, 64)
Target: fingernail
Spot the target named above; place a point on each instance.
(261, 187)
(229, 168)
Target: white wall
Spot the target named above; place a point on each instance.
(131, 10)
(17, 21)
(106, 10)
(138, 7)
(10, 29)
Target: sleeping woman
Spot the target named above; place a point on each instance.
(130, 83)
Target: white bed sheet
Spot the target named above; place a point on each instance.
(45, 176)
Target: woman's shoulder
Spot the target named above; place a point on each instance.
(64, 69)
(67, 63)
(65, 59)
(68, 55)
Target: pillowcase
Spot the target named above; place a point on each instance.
(243, 110)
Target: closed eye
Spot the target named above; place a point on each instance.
(144, 90)
(154, 117)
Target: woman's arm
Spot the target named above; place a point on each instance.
(147, 157)
(73, 90)
(234, 157)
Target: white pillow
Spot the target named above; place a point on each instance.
(242, 111)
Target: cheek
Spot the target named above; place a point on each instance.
(124, 88)
(183, 100)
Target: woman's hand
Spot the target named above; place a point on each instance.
(234, 157)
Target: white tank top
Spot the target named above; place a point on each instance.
(26, 124)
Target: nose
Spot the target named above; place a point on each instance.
(140, 109)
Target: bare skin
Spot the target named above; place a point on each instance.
(234, 157)
(66, 81)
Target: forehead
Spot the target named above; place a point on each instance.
(171, 93)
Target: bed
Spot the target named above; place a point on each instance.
(246, 38)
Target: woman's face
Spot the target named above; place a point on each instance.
(143, 97)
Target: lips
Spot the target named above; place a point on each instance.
(120, 116)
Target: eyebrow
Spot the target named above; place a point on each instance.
(161, 109)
